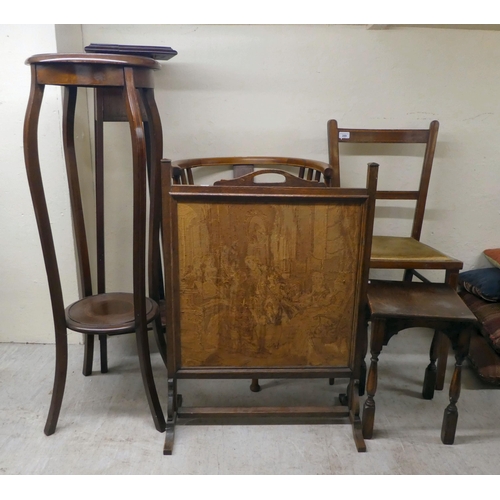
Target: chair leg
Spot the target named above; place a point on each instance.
(450, 417)
(377, 338)
(88, 354)
(430, 371)
(103, 344)
(59, 382)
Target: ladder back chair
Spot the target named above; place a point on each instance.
(265, 280)
(406, 253)
(99, 312)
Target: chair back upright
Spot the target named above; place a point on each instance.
(428, 136)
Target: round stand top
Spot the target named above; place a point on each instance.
(80, 58)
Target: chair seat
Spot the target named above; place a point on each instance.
(396, 252)
(425, 301)
(109, 313)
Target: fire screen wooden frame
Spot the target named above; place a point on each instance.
(266, 281)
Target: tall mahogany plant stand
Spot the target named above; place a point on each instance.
(129, 79)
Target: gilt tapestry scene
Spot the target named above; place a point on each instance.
(266, 285)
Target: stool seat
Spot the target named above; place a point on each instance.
(424, 301)
(396, 306)
(107, 313)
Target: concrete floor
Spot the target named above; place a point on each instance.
(105, 427)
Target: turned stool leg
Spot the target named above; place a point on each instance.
(377, 338)
(431, 370)
(450, 417)
(442, 358)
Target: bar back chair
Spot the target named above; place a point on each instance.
(100, 312)
(184, 170)
(265, 280)
(406, 253)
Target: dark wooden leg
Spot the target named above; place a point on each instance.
(450, 417)
(362, 378)
(357, 432)
(451, 277)
(254, 386)
(35, 182)
(408, 275)
(139, 248)
(70, 95)
(59, 382)
(377, 338)
(148, 379)
(444, 345)
(173, 402)
(88, 354)
(430, 371)
(103, 344)
(154, 149)
(364, 350)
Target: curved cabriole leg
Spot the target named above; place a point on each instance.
(154, 146)
(450, 417)
(377, 337)
(139, 250)
(83, 261)
(59, 380)
(431, 370)
(43, 222)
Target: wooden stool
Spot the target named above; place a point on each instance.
(100, 313)
(395, 306)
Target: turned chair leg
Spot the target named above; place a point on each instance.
(450, 417)
(431, 370)
(377, 338)
(442, 359)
